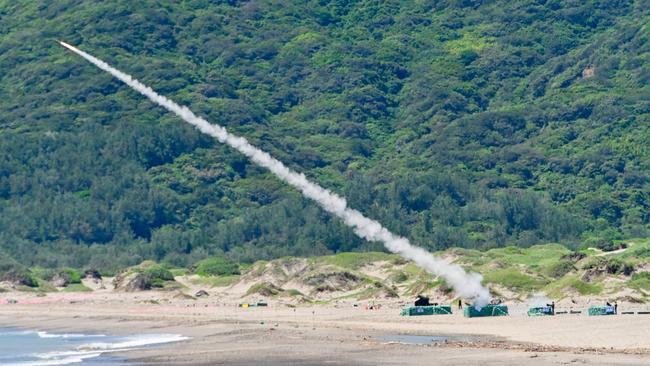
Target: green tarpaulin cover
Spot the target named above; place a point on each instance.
(602, 310)
(426, 310)
(540, 311)
(488, 310)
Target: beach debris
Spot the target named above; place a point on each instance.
(183, 296)
(201, 293)
(372, 306)
(247, 305)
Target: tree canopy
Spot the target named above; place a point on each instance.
(464, 123)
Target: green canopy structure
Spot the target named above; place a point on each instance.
(488, 310)
(541, 311)
(426, 310)
(602, 310)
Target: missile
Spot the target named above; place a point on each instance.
(68, 46)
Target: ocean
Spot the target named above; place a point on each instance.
(20, 347)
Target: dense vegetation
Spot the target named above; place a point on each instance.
(511, 273)
(456, 123)
(217, 266)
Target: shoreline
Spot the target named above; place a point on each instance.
(335, 334)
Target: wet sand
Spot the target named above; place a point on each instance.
(223, 334)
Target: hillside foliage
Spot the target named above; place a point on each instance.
(465, 123)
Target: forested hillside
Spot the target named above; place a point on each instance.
(464, 123)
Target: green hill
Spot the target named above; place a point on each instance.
(478, 124)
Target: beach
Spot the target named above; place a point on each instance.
(221, 333)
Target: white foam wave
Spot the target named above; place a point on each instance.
(67, 335)
(92, 350)
(5, 332)
(64, 360)
(133, 342)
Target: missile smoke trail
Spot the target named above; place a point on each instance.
(466, 285)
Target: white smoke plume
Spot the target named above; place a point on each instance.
(538, 300)
(466, 285)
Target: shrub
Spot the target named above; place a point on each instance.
(355, 260)
(399, 277)
(217, 266)
(615, 266)
(92, 273)
(77, 288)
(156, 276)
(628, 269)
(586, 288)
(294, 292)
(609, 265)
(14, 272)
(606, 245)
(8, 264)
(559, 269)
(70, 274)
(44, 273)
(594, 263)
(513, 278)
(266, 289)
(641, 281)
(558, 289)
(574, 256)
(20, 277)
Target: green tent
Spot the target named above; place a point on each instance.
(540, 311)
(426, 310)
(602, 310)
(488, 310)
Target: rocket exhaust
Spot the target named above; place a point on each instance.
(71, 48)
(466, 285)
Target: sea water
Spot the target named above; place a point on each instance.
(35, 348)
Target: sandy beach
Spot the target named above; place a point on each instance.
(335, 334)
